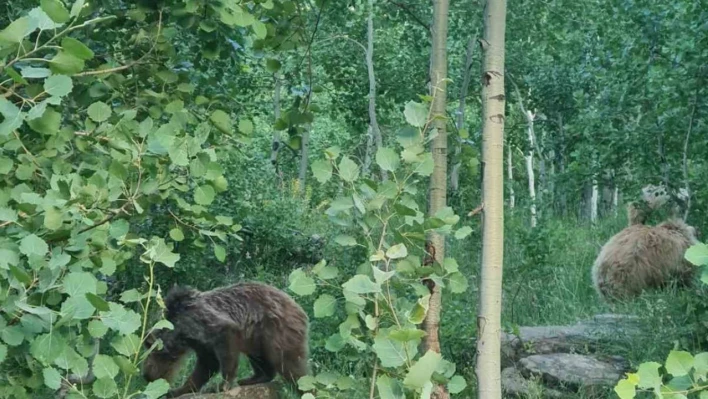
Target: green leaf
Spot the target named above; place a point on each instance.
(97, 329)
(177, 234)
(273, 65)
(35, 73)
(6, 165)
(156, 389)
(12, 335)
(47, 347)
(679, 363)
(456, 384)
(381, 276)
(52, 378)
(105, 388)
(77, 308)
(390, 353)
(58, 85)
(426, 165)
(245, 126)
(416, 114)
(387, 159)
(361, 284)
(625, 389)
(322, 170)
(127, 345)
(397, 251)
(457, 283)
(97, 302)
(697, 254)
(422, 370)
(125, 321)
(348, 169)
(12, 117)
(48, 123)
(104, 367)
(99, 111)
(80, 283)
(33, 245)
(76, 48)
(77, 7)
(159, 251)
(345, 240)
(3, 353)
(56, 10)
(463, 232)
(131, 295)
(649, 377)
(408, 334)
(389, 388)
(66, 63)
(259, 28)
(325, 306)
(53, 218)
(417, 315)
(8, 215)
(204, 195)
(301, 283)
(220, 252)
(16, 31)
(222, 121)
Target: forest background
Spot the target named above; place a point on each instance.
(206, 142)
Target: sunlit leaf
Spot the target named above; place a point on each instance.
(422, 370)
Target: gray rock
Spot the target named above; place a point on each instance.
(582, 337)
(572, 370)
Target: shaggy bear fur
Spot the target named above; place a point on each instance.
(255, 319)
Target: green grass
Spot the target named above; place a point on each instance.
(547, 281)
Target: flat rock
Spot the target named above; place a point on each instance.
(514, 384)
(573, 370)
(582, 337)
(257, 391)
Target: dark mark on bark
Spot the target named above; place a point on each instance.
(498, 118)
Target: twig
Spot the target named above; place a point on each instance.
(476, 210)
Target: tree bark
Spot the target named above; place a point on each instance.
(684, 163)
(530, 117)
(275, 147)
(594, 200)
(488, 364)
(438, 181)
(460, 123)
(304, 147)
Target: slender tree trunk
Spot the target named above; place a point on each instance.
(532, 186)
(275, 147)
(510, 176)
(367, 154)
(438, 181)
(488, 364)
(530, 117)
(615, 200)
(561, 167)
(460, 123)
(304, 147)
(686, 182)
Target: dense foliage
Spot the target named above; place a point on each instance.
(137, 151)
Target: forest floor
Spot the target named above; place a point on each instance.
(547, 281)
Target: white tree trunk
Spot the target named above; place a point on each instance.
(529, 167)
(488, 365)
(510, 176)
(615, 200)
